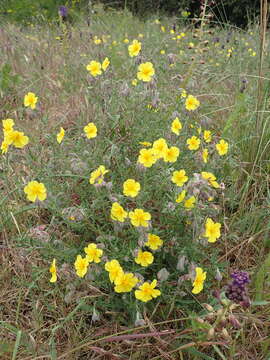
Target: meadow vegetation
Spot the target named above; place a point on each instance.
(134, 182)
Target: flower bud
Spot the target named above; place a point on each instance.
(211, 333)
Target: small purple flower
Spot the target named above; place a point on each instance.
(240, 278)
(63, 11)
(236, 290)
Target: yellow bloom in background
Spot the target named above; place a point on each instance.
(147, 291)
(60, 135)
(162, 52)
(145, 71)
(16, 138)
(97, 41)
(35, 190)
(118, 213)
(94, 67)
(212, 230)
(81, 266)
(162, 28)
(90, 130)
(144, 258)
(190, 203)
(183, 93)
(176, 126)
(153, 241)
(147, 157)
(193, 143)
(222, 147)
(93, 254)
(105, 64)
(53, 271)
(199, 280)
(179, 177)
(114, 269)
(205, 155)
(160, 147)
(131, 188)
(140, 35)
(125, 282)
(181, 196)
(134, 48)
(134, 82)
(30, 100)
(138, 217)
(126, 41)
(98, 175)
(171, 154)
(207, 136)
(7, 125)
(191, 103)
(4, 147)
(210, 178)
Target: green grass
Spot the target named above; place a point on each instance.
(42, 320)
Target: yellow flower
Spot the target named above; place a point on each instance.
(114, 269)
(81, 265)
(190, 203)
(162, 28)
(126, 41)
(93, 254)
(162, 52)
(30, 100)
(98, 175)
(60, 135)
(222, 147)
(90, 130)
(160, 147)
(176, 126)
(205, 155)
(131, 188)
(153, 241)
(212, 230)
(35, 190)
(134, 48)
(138, 217)
(118, 213)
(97, 41)
(7, 125)
(210, 178)
(192, 103)
(183, 93)
(105, 64)
(140, 35)
(147, 291)
(94, 67)
(171, 154)
(16, 138)
(207, 136)
(145, 71)
(193, 143)
(125, 282)
(134, 82)
(53, 271)
(199, 280)
(4, 147)
(144, 258)
(181, 196)
(179, 177)
(147, 157)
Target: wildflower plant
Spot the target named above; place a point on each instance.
(132, 175)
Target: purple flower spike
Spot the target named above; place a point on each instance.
(240, 278)
(63, 11)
